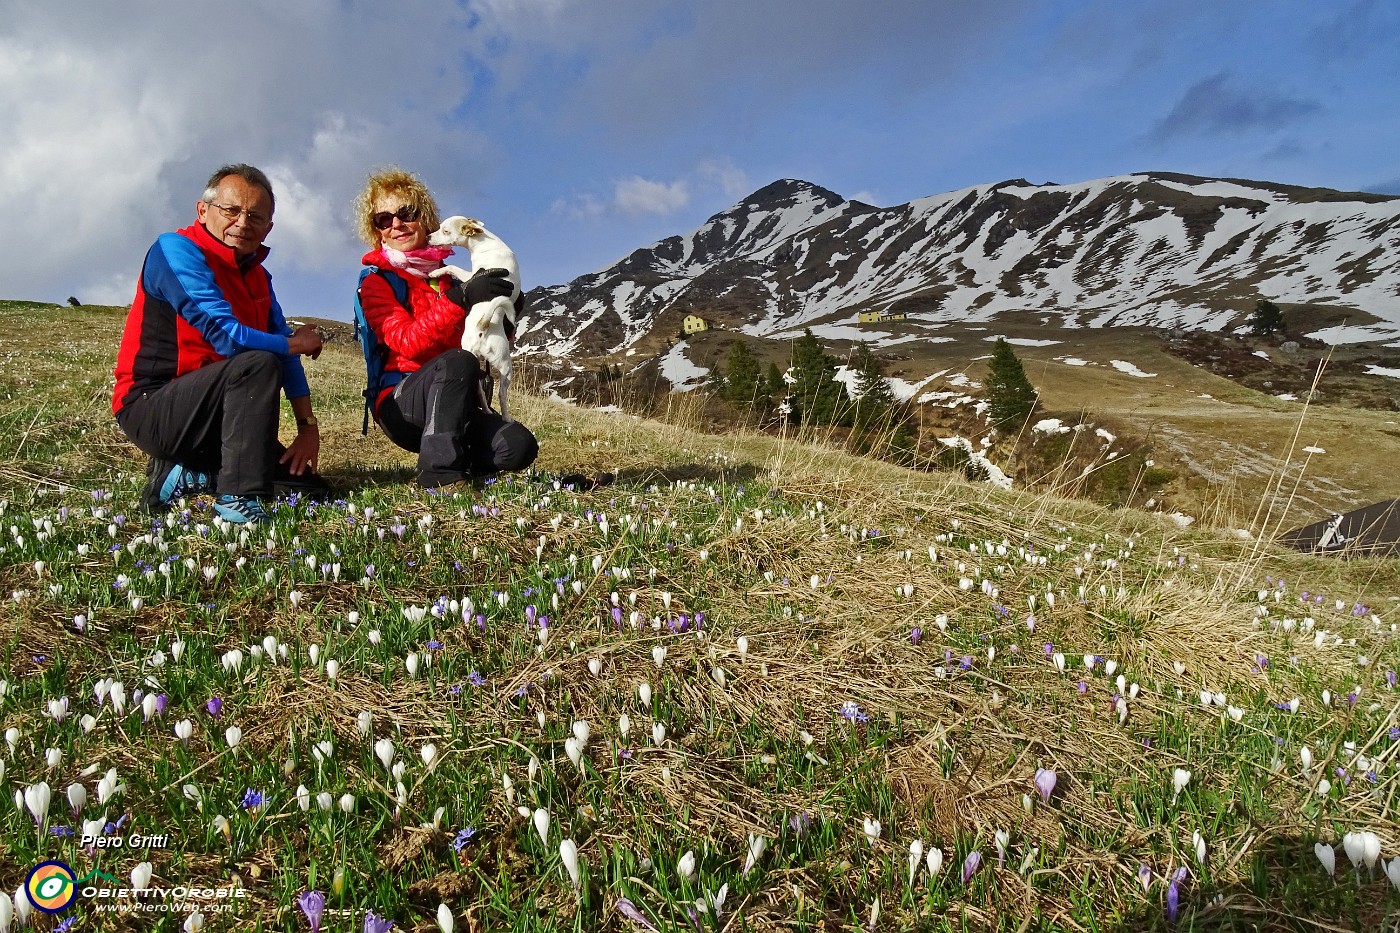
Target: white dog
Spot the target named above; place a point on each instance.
(485, 335)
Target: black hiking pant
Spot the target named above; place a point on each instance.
(436, 412)
(220, 419)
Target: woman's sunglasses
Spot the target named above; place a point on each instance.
(385, 219)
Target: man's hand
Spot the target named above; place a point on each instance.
(304, 451)
(306, 341)
(485, 285)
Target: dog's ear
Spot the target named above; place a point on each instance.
(472, 227)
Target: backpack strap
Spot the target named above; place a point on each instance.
(376, 354)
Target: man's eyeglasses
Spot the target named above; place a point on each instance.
(385, 219)
(231, 213)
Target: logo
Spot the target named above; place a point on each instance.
(51, 887)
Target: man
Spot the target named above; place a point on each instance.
(205, 353)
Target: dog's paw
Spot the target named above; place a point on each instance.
(456, 272)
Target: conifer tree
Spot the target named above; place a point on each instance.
(742, 384)
(1267, 319)
(1010, 395)
(874, 398)
(817, 396)
(776, 385)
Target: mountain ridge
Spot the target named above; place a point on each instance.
(1161, 249)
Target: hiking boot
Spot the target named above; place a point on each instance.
(241, 510)
(181, 482)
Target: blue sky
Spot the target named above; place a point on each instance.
(579, 131)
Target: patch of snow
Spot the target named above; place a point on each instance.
(1382, 371)
(1108, 438)
(1287, 397)
(680, 371)
(1123, 366)
(1344, 333)
(608, 408)
(1181, 521)
(1024, 341)
(994, 474)
(1074, 361)
(1261, 354)
(1313, 450)
(1049, 426)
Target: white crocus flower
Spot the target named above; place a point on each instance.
(568, 853)
(1180, 778)
(1327, 856)
(916, 855)
(757, 845)
(934, 860)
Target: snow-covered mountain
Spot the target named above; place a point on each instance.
(1155, 249)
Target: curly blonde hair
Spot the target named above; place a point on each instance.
(393, 181)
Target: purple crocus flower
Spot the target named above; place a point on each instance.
(313, 904)
(1144, 876)
(377, 924)
(1174, 897)
(1045, 779)
(1390, 679)
(971, 864)
(162, 701)
(630, 911)
(213, 706)
(463, 837)
(851, 710)
(916, 635)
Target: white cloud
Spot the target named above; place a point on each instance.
(116, 117)
(578, 207)
(728, 177)
(637, 195)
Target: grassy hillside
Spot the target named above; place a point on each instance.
(755, 685)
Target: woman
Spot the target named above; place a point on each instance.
(428, 401)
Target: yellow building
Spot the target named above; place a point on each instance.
(694, 324)
(876, 317)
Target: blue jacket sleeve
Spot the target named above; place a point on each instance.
(177, 272)
(294, 382)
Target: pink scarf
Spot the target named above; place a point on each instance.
(417, 262)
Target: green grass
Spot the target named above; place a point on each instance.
(824, 564)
